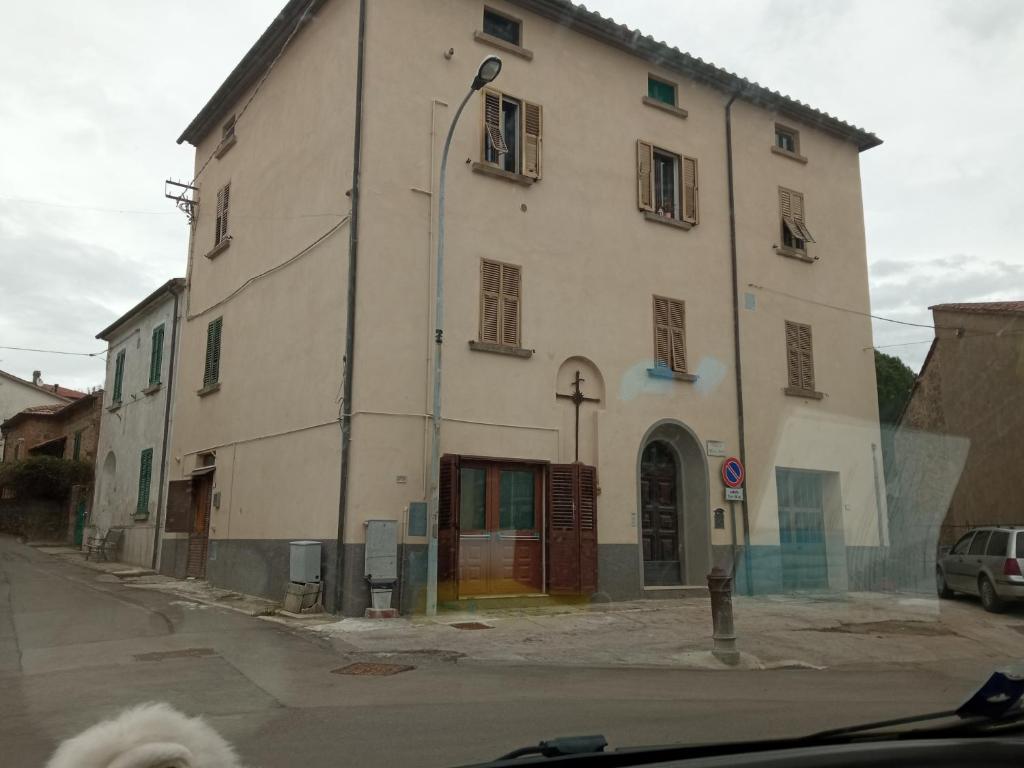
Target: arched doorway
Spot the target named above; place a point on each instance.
(673, 506)
(660, 516)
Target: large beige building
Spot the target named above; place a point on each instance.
(677, 236)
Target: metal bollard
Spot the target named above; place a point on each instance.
(720, 588)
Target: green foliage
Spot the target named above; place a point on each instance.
(44, 477)
(895, 380)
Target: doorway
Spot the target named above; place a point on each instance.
(199, 535)
(499, 529)
(80, 511)
(802, 530)
(660, 515)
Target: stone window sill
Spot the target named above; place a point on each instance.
(670, 108)
(500, 349)
(664, 373)
(807, 394)
(225, 146)
(792, 253)
(677, 223)
(490, 170)
(208, 390)
(114, 407)
(152, 389)
(786, 153)
(497, 42)
(219, 248)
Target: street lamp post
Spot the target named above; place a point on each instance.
(488, 70)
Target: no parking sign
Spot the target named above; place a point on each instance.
(733, 472)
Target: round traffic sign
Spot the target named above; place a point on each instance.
(732, 472)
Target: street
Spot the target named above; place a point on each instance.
(76, 646)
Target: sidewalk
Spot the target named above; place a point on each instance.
(773, 631)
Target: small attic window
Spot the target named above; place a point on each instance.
(502, 27)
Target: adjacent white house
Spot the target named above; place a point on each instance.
(135, 428)
(17, 394)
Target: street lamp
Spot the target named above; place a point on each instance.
(488, 70)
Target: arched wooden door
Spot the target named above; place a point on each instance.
(660, 515)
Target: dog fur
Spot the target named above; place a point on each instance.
(147, 736)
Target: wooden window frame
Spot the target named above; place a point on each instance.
(501, 298)
(117, 391)
(800, 376)
(793, 225)
(670, 353)
(156, 356)
(687, 170)
(529, 140)
(793, 154)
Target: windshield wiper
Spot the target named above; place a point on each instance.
(567, 745)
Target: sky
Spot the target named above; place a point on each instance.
(93, 96)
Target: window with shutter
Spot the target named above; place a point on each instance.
(220, 231)
(644, 179)
(795, 233)
(118, 377)
(494, 142)
(670, 334)
(211, 372)
(533, 118)
(145, 481)
(799, 356)
(156, 355)
(512, 134)
(500, 308)
(667, 183)
(689, 190)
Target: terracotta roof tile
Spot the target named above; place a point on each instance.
(983, 307)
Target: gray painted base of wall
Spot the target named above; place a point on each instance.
(261, 567)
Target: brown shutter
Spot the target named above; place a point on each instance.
(490, 298)
(799, 222)
(492, 121)
(644, 177)
(785, 203)
(178, 518)
(563, 531)
(677, 324)
(533, 140)
(689, 190)
(806, 357)
(510, 297)
(587, 495)
(662, 333)
(792, 354)
(448, 528)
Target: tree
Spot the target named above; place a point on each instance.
(894, 379)
(43, 477)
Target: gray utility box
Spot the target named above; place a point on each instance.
(305, 562)
(381, 563)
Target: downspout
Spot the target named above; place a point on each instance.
(736, 343)
(167, 431)
(350, 318)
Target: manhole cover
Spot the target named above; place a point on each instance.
(184, 653)
(371, 669)
(470, 625)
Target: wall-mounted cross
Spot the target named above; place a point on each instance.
(578, 399)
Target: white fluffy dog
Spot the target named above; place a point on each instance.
(147, 736)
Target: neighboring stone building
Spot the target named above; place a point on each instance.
(959, 447)
(622, 218)
(141, 347)
(17, 394)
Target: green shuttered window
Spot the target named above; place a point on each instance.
(145, 481)
(156, 356)
(118, 376)
(211, 373)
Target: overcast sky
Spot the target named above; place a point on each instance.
(93, 96)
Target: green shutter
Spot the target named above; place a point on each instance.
(145, 481)
(211, 374)
(156, 357)
(118, 376)
(76, 452)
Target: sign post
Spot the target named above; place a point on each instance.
(733, 475)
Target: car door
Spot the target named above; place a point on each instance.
(953, 566)
(995, 555)
(974, 561)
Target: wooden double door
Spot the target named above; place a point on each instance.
(660, 516)
(500, 546)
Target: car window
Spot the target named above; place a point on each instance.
(961, 546)
(1020, 545)
(997, 543)
(978, 545)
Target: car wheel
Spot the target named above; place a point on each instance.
(989, 599)
(941, 587)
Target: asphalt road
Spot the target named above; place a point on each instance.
(77, 646)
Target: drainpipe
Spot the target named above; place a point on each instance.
(350, 318)
(749, 581)
(167, 430)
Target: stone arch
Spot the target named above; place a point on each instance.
(692, 500)
(107, 492)
(592, 387)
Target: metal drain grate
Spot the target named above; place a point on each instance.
(371, 669)
(470, 625)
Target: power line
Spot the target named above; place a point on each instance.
(56, 352)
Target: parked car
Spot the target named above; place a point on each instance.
(988, 562)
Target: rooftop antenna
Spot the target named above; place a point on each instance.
(185, 196)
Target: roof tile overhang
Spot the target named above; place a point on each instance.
(982, 307)
(570, 15)
(172, 286)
